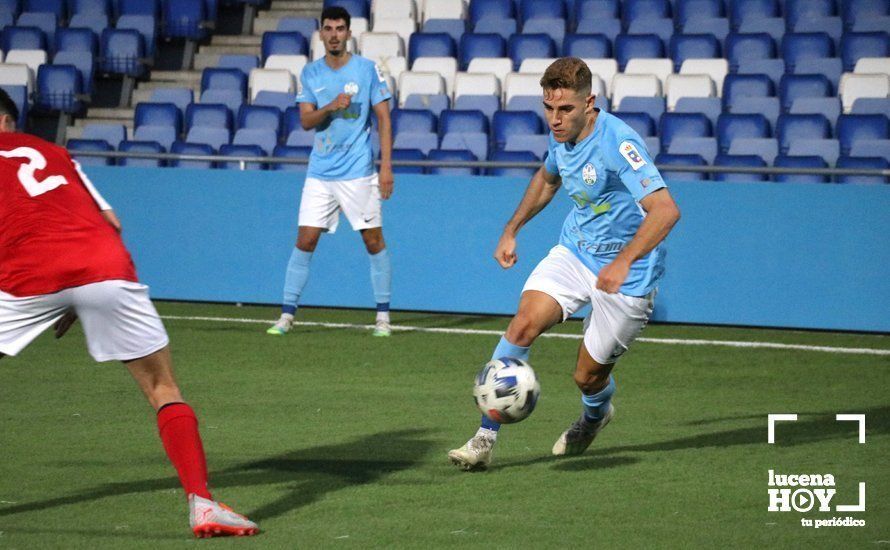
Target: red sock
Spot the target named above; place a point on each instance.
(178, 427)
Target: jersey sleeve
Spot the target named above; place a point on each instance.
(630, 159)
(379, 87)
(305, 94)
(550, 157)
(100, 200)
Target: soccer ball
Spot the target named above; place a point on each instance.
(506, 390)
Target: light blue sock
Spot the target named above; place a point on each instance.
(504, 349)
(596, 405)
(295, 279)
(381, 276)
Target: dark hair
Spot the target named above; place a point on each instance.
(335, 13)
(569, 73)
(8, 106)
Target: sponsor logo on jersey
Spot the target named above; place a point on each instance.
(629, 152)
(379, 73)
(350, 88)
(588, 174)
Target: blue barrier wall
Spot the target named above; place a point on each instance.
(786, 255)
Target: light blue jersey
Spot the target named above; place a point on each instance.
(342, 148)
(606, 175)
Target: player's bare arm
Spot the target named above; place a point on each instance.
(539, 193)
(384, 127)
(661, 215)
(311, 116)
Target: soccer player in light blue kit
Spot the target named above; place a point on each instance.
(336, 97)
(609, 253)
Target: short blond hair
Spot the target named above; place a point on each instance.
(569, 73)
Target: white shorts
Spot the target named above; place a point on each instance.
(615, 320)
(118, 319)
(359, 199)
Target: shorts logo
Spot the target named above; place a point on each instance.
(629, 152)
(589, 174)
(350, 88)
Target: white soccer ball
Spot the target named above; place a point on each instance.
(506, 390)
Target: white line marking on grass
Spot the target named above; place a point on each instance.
(466, 331)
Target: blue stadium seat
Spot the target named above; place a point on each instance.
(594, 10)
(141, 147)
(641, 123)
(668, 159)
(113, 134)
(434, 103)
(182, 148)
(610, 28)
(11, 7)
(430, 45)
(826, 149)
(795, 127)
(746, 85)
(283, 43)
(831, 67)
(440, 155)
(852, 128)
(863, 10)
(773, 68)
(90, 6)
(810, 161)
(855, 45)
(746, 161)
(356, 8)
(506, 123)
(92, 145)
(796, 10)
(872, 106)
(748, 46)
(290, 120)
(794, 86)
(832, 26)
(56, 7)
(708, 106)
(633, 10)
(425, 141)
(765, 148)
(95, 22)
(752, 10)
(512, 156)
(301, 138)
(805, 45)
(455, 28)
(487, 104)
(158, 114)
(6, 17)
(292, 152)
(491, 9)
(452, 121)
(505, 28)
(554, 28)
(59, 88)
(653, 106)
(19, 96)
(224, 79)
(144, 25)
(475, 142)
(527, 103)
(181, 97)
(123, 52)
(77, 40)
(264, 138)
(481, 45)
(717, 26)
(412, 121)
(208, 116)
(303, 25)
(534, 143)
(696, 46)
(139, 7)
(282, 100)
(257, 117)
(23, 38)
(872, 24)
(523, 46)
(698, 9)
(587, 46)
(164, 135)
(408, 154)
(864, 163)
(828, 106)
(766, 106)
(231, 99)
(244, 63)
(628, 46)
(214, 137)
(663, 28)
(677, 125)
(84, 63)
(542, 9)
(732, 126)
(185, 19)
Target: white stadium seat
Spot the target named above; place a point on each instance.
(292, 63)
(498, 66)
(634, 85)
(854, 86)
(879, 65)
(605, 69)
(16, 74)
(444, 9)
(358, 26)
(393, 8)
(688, 85)
(524, 84)
(715, 68)
(32, 58)
(271, 80)
(411, 82)
(535, 64)
(659, 67)
(476, 84)
(402, 26)
(393, 66)
(380, 46)
(445, 66)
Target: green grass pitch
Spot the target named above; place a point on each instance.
(330, 438)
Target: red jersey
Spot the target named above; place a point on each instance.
(52, 233)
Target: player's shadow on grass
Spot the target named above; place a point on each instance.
(312, 473)
(580, 463)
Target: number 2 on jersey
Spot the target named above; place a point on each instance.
(36, 162)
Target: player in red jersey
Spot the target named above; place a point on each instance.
(61, 258)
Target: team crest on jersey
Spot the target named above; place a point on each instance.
(350, 88)
(588, 174)
(629, 152)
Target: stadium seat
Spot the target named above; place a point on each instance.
(486, 104)
(407, 154)
(452, 155)
(425, 141)
(143, 24)
(676, 125)
(163, 135)
(610, 28)
(852, 128)
(241, 150)
(536, 65)
(634, 85)
(481, 45)
(506, 123)
(594, 9)
(794, 86)
(151, 147)
(871, 106)
(641, 123)
(631, 46)
(542, 9)
(522, 84)
(512, 156)
(854, 11)
(181, 97)
(284, 43)
(769, 107)
(668, 159)
(94, 22)
(658, 67)
(746, 85)
(207, 116)
(244, 63)
(752, 10)
(92, 145)
(77, 40)
(633, 10)
(259, 117)
(59, 88)
(45, 21)
(865, 44)
(765, 148)
(828, 106)
(380, 46)
(139, 7)
(265, 138)
(773, 68)
(652, 106)
(522, 46)
(683, 85)
(554, 28)
(424, 83)
(300, 138)
(536, 144)
(12, 7)
(19, 96)
(17, 75)
(863, 163)
(826, 149)
(855, 86)
(430, 45)
(706, 147)
(214, 137)
(708, 106)
(832, 26)
(732, 126)
(405, 27)
(796, 10)
(497, 66)
(182, 148)
(291, 63)
(32, 58)
(809, 161)
(393, 8)
(22, 38)
(445, 66)
(412, 121)
(663, 28)
(185, 19)
(504, 28)
(587, 46)
(165, 115)
(289, 152)
(303, 25)
(462, 121)
(797, 46)
(605, 70)
(693, 46)
(224, 79)
(356, 8)
(271, 80)
(123, 52)
(280, 100)
(879, 65)
(831, 68)
(491, 9)
(112, 134)
(444, 9)
(232, 99)
(698, 9)
(748, 46)
(717, 26)
(476, 84)
(795, 127)
(455, 28)
(740, 161)
(717, 69)
(434, 103)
